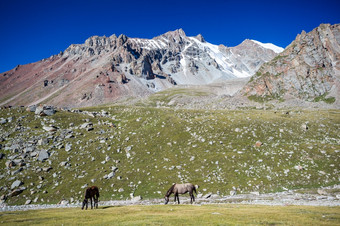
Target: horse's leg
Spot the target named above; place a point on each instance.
(87, 203)
(91, 203)
(177, 198)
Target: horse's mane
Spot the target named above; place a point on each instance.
(168, 193)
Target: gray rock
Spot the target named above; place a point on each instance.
(43, 155)
(2, 155)
(9, 164)
(110, 175)
(28, 202)
(31, 108)
(16, 184)
(3, 121)
(68, 147)
(136, 199)
(46, 169)
(50, 128)
(233, 192)
(49, 111)
(39, 110)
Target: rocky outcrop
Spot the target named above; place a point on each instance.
(308, 69)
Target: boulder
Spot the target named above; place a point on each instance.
(28, 202)
(136, 199)
(50, 128)
(43, 155)
(110, 175)
(3, 121)
(16, 184)
(31, 108)
(39, 110)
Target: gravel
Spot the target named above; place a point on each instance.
(271, 199)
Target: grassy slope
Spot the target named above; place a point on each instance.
(214, 149)
(178, 215)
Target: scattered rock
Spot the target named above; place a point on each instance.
(43, 155)
(16, 184)
(136, 199)
(28, 202)
(258, 144)
(50, 128)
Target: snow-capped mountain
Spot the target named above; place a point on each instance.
(104, 69)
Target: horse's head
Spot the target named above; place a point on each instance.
(166, 199)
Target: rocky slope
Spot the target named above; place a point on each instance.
(129, 152)
(105, 69)
(308, 69)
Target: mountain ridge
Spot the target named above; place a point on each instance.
(105, 69)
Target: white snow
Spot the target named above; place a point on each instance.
(271, 46)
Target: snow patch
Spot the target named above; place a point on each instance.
(271, 46)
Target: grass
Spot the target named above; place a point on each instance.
(329, 100)
(223, 214)
(214, 149)
(165, 97)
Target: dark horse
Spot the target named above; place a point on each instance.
(91, 193)
(181, 189)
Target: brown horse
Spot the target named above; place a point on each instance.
(181, 189)
(91, 193)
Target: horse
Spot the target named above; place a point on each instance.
(91, 193)
(181, 189)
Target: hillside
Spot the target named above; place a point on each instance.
(140, 151)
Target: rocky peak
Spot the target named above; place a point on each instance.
(308, 69)
(200, 38)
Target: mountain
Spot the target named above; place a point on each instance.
(308, 69)
(106, 69)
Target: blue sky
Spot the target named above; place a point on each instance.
(32, 30)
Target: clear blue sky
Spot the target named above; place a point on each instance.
(32, 30)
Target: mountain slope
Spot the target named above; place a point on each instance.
(105, 69)
(308, 69)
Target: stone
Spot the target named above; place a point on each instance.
(322, 191)
(39, 110)
(232, 193)
(31, 108)
(28, 202)
(304, 127)
(16, 184)
(46, 169)
(258, 144)
(10, 164)
(50, 128)
(49, 111)
(3, 121)
(68, 147)
(136, 198)
(110, 175)
(120, 189)
(43, 155)
(2, 155)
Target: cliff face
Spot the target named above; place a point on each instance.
(308, 69)
(105, 69)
